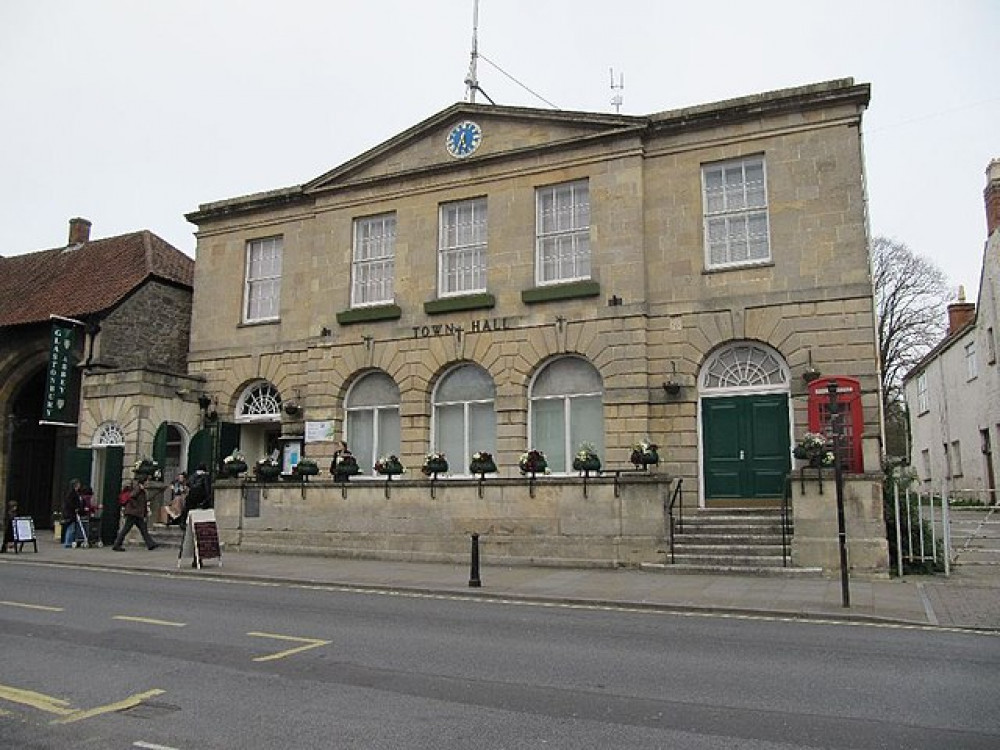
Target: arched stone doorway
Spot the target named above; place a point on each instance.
(32, 470)
(744, 425)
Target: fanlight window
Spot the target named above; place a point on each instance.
(259, 402)
(744, 366)
(109, 433)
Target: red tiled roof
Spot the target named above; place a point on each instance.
(87, 278)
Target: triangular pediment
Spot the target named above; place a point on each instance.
(506, 132)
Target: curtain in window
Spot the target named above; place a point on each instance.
(373, 428)
(464, 415)
(567, 409)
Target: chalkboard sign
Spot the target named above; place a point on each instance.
(24, 531)
(201, 538)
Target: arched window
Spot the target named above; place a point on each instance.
(567, 409)
(373, 419)
(108, 434)
(744, 365)
(465, 418)
(260, 402)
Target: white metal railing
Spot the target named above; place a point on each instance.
(923, 528)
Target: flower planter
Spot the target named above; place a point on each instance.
(266, 472)
(644, 458)
(234, 468)
(307, 468)
(587, 464)
(389, 467)
(434, 467)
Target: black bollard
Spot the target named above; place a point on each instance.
(474, 581)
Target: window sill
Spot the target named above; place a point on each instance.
(369, 314)
(482, 301)
(265, 322)
(557, 292)
(740, 266)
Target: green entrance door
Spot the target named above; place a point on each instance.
(746, 447)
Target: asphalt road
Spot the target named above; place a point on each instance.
(114, 660)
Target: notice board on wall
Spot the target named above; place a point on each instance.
(201, 538)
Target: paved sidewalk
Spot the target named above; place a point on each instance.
(970, 598)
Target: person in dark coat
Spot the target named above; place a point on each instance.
(72, 506)
(199, 496)
(136, 510)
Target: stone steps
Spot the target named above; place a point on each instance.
(733, 541)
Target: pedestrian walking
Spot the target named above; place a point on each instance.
(136, 510)
(71, 510)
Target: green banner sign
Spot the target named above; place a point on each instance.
(59, 387)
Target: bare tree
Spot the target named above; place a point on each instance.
(911, 297)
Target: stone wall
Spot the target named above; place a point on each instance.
(816, 542)
(558, 525)
(151, 328)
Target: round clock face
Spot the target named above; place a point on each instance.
(463, 139)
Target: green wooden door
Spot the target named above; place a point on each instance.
(746, 446)
(114, 464)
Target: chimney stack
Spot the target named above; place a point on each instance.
(79, 231)
(992, 197)
(960, 313)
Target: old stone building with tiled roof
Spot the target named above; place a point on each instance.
(127, 300)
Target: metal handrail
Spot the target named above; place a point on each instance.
(676, 526)
(785, 553)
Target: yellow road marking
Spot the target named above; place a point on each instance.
(62, 708)
(32, 606)
(309, 643)
(36, 700)
(130, 702)
(149, 621)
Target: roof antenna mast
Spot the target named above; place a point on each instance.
(616, 95)
(471, 81)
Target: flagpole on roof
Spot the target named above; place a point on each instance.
(471, 80)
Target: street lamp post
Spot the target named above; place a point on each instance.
(837, 430)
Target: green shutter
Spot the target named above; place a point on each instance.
(229, 439)
(160, 444)
(76, 465)
(200, 450)
(114, 462)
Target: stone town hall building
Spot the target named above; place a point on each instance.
(501, 278)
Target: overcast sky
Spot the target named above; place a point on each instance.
(133, 113)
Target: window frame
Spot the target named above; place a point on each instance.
(476, 250)
(249, 282)
(971, 361)
(385, 262)
(743, 213)
(923, 394)
(577, 235)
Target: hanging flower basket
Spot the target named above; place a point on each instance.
(815, 450)
(388, 466)
(586, 459)
(434, 464)
(147, 468)
(344, 466)
(306, 467)
(645, 453)
(482, 463)
(234, 464)
(266, 470)
(533, 462)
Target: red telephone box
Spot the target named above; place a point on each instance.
(849, 405)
